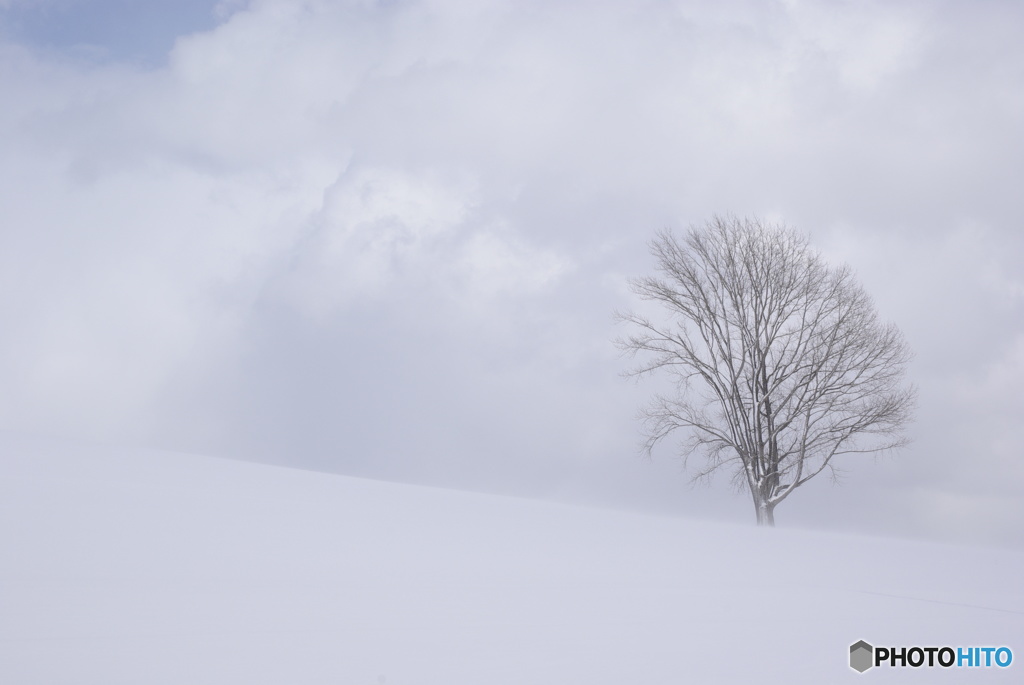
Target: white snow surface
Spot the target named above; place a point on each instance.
(122, 567)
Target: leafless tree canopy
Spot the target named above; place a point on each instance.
(779, 361)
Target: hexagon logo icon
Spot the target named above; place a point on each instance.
(861, 656)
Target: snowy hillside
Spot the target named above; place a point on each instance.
(141, 568)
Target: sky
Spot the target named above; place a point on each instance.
(386, 239)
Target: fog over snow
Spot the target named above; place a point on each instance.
(122, 567)
(386, 239)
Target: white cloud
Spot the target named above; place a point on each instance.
(494, 264)
(383, 232)
(376, 226)
(455, 172)
(867, 43)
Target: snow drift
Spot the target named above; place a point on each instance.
(144, 568)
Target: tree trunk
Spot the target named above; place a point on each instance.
(765, 514)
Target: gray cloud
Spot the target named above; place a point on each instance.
(386, 238)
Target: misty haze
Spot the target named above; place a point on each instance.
(318, 319)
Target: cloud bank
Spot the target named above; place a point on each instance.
(386, 238)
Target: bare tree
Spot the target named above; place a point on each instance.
(779, 361)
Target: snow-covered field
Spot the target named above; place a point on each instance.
(139, 568)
